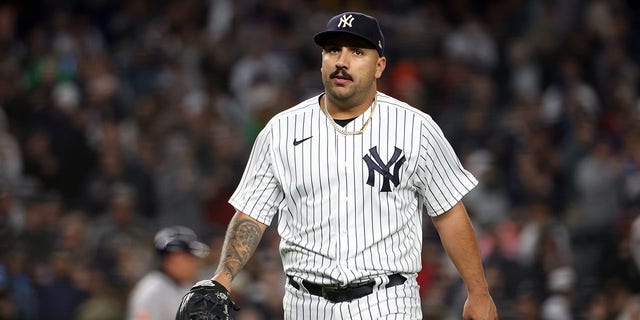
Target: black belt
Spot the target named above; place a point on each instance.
(350, 292)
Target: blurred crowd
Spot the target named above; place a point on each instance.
(120, 117)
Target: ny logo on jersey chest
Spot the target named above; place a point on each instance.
(376, 164)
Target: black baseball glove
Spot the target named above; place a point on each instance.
(207, 300)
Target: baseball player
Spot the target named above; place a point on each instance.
(349, 172)
(157, 295)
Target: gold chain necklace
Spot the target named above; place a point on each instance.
(345, 132)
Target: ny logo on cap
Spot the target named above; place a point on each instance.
(346, 21)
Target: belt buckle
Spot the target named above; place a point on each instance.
(327, 291)
(323, 291)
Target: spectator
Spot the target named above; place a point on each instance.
(10, 155)
(61, 293)
(179, 185)
(120, 240)
(559, 304)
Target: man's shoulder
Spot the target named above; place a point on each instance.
(305, 106)
(155, 295)
(155, 281)
(395, 104)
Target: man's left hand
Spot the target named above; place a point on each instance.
(479, 307)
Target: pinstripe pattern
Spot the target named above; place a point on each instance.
(335, 227)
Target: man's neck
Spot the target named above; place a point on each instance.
(345, 111)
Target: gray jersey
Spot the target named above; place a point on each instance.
(350, 206)
(155, 297)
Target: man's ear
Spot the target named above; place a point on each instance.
(381, 64)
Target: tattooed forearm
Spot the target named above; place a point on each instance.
(242, 238)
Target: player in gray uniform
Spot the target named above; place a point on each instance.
(349, 172)
(157, 295)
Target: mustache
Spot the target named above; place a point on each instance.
(338, 71)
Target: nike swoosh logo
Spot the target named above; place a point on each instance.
(297, 142)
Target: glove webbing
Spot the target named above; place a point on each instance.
(210, 303)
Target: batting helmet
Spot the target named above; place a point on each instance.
(179, 239)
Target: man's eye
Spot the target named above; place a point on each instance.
(358, 51)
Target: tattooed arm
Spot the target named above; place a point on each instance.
(242, 238)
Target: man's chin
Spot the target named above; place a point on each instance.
(341, 92)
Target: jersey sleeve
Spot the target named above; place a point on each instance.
(259, 193)
(443, 180)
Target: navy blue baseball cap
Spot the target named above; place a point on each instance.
(355, 23)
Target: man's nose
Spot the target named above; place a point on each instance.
(343, 59)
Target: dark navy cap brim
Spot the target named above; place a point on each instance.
(321, 38)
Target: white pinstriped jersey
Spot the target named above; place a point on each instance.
(350, 206)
